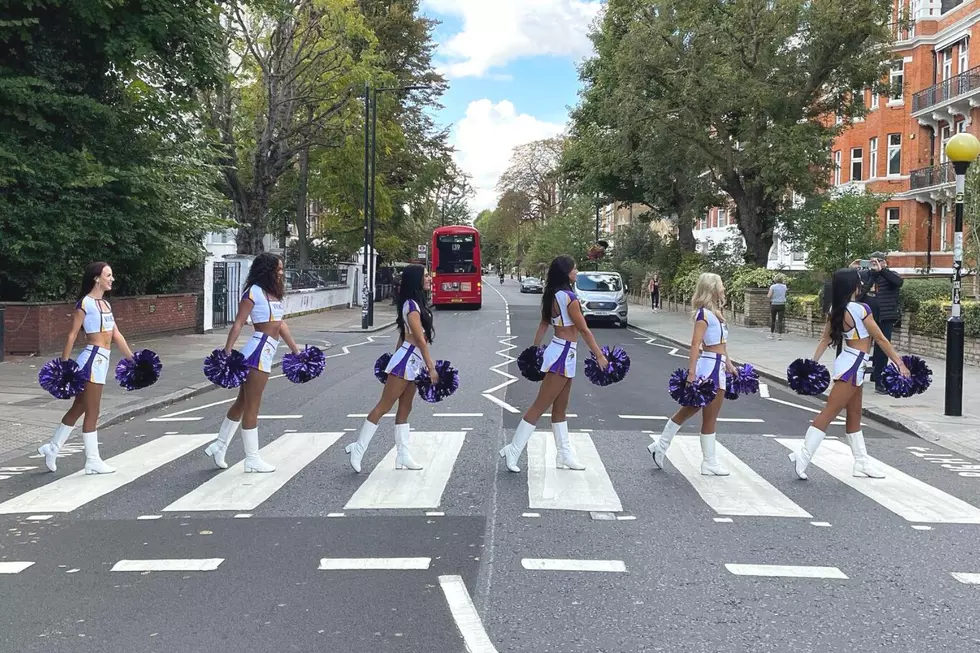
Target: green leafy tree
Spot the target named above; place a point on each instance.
(745, 87)
(101, 156)
(836, 231)
(570, 232)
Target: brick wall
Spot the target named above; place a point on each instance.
(43, 327)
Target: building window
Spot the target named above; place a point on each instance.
(837, 172)
(944, 135)
(874, 100)
(798, 255)
(947, 64)
(944, 228)
(892, 227)
(896, 80)
(857, 163)
(894, 155)
(873, 158)
(964, 60)
(722, 218)
(961, 127)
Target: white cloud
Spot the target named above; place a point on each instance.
(485, 138)
(496, 32)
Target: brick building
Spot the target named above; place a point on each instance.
(615, 216)
(898, 147)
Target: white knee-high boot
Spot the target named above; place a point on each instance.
(511, 453)
(357, 448)
(709, 462)
(52, 448)
(802, 458)
(863, 465)
(403, 457)
(659, 447)
(93, 461)
(253, 461)
(565, 456)
(219, 447)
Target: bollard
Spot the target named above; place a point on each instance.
(3, 310)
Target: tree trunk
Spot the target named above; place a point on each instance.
(685, 234)
(302, 208)
(252, 230)
(755, 218)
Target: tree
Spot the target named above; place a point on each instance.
(534, 172)
(100, 149)
(298, 66)
(748, 86)
(836, 231)
(570, 232)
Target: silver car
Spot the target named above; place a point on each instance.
(532, 285)
(603, 297)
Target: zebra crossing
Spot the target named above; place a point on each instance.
(745, 493)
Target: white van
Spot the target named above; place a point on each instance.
(602, 296)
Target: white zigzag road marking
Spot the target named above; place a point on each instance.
(650, 341)
(508, 359)
(345, 350)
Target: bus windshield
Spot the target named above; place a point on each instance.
(455, 254)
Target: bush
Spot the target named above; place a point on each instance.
(746, 277)
(932, 315)
(803, 283)
(915, 291)
(796, 305)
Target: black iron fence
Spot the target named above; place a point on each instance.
(953, 87)
(932, 176)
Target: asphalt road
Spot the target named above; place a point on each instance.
(169, 554)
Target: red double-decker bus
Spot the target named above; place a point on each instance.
(456, 267)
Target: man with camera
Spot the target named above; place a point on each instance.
(881, 293)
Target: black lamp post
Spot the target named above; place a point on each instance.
(962, 150)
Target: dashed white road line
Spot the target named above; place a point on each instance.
(465, 615)
(365, 564)
(968, 579)
(786, 571)
(558, 564)
(14, 567)
(187, 564)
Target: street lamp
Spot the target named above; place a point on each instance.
(962, 149)
(370, 150)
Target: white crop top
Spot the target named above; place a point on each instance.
(717, 332)
(563, 298)
(409, 307)
(263, 309)
(96, 320)
(858, 313)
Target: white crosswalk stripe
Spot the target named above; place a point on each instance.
(550, 488)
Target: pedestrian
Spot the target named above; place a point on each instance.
(262, 302)
(93, 314)
(850, 329)
(884, 284)
(708, 357)
(415, 334)
(654, 288)
(560, 309)
(777, 307)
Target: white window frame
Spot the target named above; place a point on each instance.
(873, 158)
(859, 161)
(944, 135)
(893, 220)
(837, 168)
(944, 229)
(963, 57)
(896, 81)
(722, 218)
(946, 68)
(874, 100)
(894, 149)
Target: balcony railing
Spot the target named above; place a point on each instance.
(932, 176)
(953, 87)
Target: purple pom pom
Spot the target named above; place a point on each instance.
(529, 362)
(447, 385)
(304, 366)
(619, 367)
(141, 372)
(807, 377)
(696, 395)
(63, 379)
(918, 381)
(227, 371)
(746, 382)
(380, 366)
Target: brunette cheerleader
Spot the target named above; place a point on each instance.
(262, 301)
(708, 358)
(560, 309)
(850, 329)
(93, 314)
(415, 333)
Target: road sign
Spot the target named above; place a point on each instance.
(422, 251)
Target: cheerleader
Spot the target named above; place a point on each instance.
(94, 314)
(708, 358)
(850, 328)
(560, 309)
(415, 333)
(262, 302)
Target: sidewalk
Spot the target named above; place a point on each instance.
(921, 416)
(28, 414)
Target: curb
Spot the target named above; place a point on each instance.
(886, 417)
(163, 401)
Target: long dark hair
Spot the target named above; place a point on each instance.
(264, 273)
(92, 272)
(411, 288)
(842, 288)
(557, 280)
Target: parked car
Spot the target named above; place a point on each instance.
(532, 285)
(603, 297)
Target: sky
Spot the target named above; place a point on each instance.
(513, 77)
